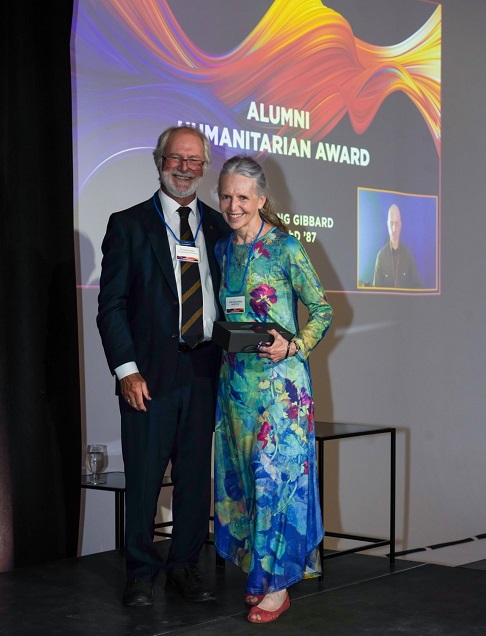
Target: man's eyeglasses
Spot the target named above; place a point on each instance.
(173, 161)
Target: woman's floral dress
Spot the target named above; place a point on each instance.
(267, 514)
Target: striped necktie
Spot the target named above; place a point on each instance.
(192, 329)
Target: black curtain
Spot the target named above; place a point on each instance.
(40, 422)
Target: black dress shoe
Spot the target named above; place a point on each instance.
(188, 582)
(138, 593)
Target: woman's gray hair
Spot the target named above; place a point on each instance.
(248, 167)
(164, 138)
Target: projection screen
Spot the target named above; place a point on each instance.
(323, 104)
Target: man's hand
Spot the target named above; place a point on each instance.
(134, 389)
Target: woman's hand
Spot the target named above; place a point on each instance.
(277, 351)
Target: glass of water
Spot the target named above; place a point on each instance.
(96, 461)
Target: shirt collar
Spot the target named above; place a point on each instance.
(170, 206)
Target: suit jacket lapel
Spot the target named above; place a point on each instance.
(157, 235)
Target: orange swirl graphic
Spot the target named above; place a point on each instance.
(302, 55)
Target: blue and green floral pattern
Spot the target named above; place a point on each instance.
(267, 513)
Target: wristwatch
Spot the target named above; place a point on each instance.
(298, 350)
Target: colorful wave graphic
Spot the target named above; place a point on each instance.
(303, 55)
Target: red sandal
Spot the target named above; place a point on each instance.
(259, 599)
(265, 615)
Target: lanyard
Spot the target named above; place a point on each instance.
(201, 212)
(229, 248)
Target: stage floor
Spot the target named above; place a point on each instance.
(359, 595)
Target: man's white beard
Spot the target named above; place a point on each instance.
(173, 190)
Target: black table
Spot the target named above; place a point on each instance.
(115, 482)
(326, 431)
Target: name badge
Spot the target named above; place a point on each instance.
(235, 305)
(188, 253)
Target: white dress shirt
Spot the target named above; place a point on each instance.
(172, 220)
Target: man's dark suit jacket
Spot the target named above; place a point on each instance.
(138, 314)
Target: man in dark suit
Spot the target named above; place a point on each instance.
(166, 387)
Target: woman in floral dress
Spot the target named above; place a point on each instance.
(267, 515)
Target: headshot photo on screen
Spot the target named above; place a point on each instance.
(397, 242)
